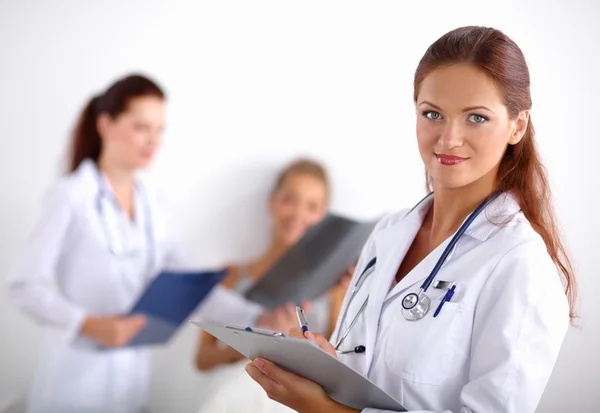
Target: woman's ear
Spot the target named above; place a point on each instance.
(520, 127)
(103, 122)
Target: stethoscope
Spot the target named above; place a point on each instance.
(116, 248)
(414, 305)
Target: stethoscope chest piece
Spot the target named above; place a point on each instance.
(415, 307)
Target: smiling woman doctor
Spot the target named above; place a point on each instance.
(101, 238)
(457, 302)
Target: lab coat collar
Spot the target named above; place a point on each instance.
(396, 239)
(391, 245)
(89, 172)
(146, 206)
(393, 242)
(504, 207)
(500, 210)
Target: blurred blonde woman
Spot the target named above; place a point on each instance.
(298, 200)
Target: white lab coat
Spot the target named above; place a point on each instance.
(492, 348)
(67, 272)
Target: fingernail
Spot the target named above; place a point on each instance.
(309, 335)
(260, 363)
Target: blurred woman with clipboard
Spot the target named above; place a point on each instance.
(101, 237)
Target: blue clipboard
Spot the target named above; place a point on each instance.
(168, 302)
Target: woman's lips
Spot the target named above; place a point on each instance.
(449, 160)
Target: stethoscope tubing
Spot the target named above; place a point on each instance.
(426, 284)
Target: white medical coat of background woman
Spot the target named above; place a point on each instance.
(67, 272)
(492, 348)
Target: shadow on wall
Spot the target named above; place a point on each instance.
(17, 407)
(227, 223)
(229, 216)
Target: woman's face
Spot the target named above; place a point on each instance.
(463, 126)
(132, 138)
(299, 203)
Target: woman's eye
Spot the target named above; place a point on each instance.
(477, 119)
(433, 115)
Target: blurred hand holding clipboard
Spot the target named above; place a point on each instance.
(168, 302)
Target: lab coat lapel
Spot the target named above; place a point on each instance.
(156, 229)
(420, 271)
(151, 231)
(391, 245)
(501, 209)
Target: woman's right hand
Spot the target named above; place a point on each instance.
(318, 339)
(113, 331)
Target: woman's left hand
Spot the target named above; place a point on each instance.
(297, 393)
(287, 388)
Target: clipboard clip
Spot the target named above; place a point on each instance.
(255, 330)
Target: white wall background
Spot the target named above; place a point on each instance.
(253, 84)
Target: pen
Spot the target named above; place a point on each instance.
(301, 319)
(446, 298)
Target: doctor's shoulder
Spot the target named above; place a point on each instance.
(367, 252)
(69, 191)
(390, 219)
(387, 220)
(524, 264)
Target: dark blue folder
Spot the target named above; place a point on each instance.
(168, 302)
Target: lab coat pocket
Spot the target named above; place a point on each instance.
(422, 351)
